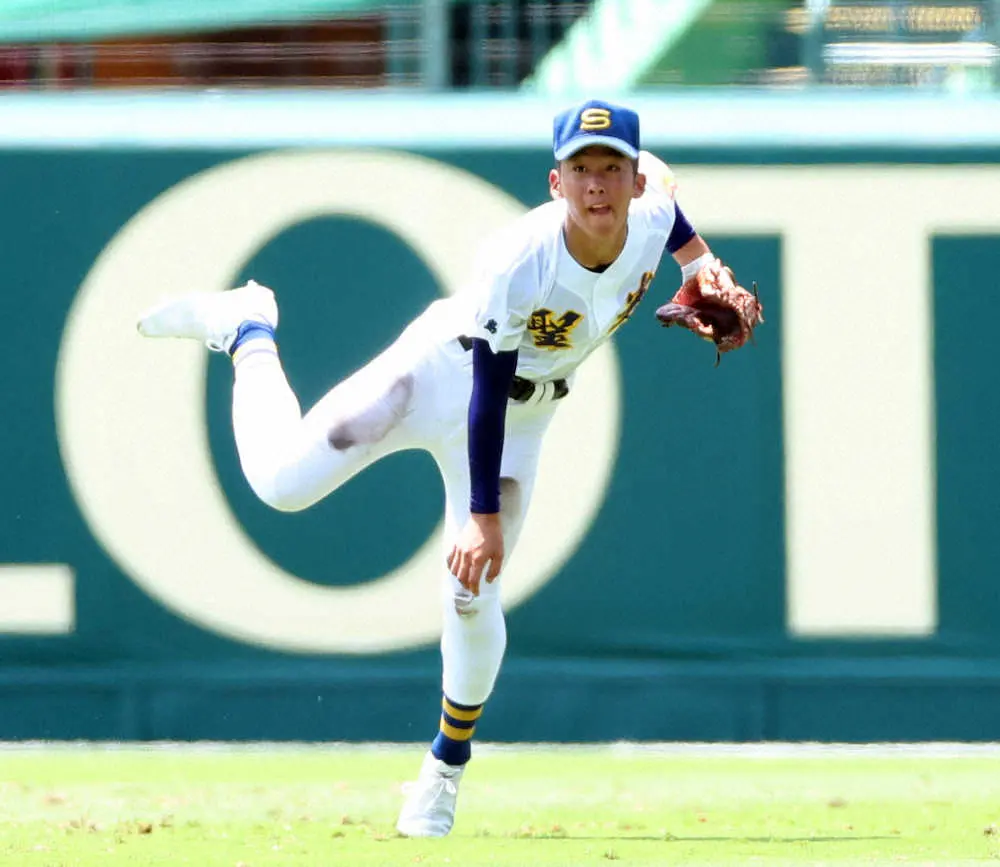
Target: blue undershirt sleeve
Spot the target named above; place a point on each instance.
(681, 233)
(492, 374)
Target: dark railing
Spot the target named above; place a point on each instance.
(487, 43)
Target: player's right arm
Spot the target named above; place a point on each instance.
(506, 296)
(480, 547)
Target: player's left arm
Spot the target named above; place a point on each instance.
(710, 302)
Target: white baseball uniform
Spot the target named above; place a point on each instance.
(530, 295)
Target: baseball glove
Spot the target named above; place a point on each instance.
(715, 307)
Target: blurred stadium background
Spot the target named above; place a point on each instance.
(505, 44)
(800, 545)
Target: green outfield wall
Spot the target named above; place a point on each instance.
(799, 544)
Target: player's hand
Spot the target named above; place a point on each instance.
(479, 545)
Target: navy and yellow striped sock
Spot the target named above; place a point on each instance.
(453, 744)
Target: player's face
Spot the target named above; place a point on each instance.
(598, 183)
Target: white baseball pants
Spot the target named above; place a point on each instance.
(415, 395)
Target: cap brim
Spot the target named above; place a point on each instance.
(575, 145)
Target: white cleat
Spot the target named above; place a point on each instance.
(429, 810)
(211, 317)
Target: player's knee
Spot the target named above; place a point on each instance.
(469, 607)
(372, 423)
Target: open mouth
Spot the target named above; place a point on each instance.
(600, 210)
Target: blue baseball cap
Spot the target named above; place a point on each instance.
(595, 123)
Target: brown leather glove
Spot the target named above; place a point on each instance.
(715, 307)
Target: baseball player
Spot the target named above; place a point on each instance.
(474, 380)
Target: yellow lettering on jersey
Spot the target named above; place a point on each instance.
(552, 333)
(632, 301)
(595, 119)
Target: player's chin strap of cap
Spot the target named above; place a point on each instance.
(522, 390)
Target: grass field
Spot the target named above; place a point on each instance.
(261, 806)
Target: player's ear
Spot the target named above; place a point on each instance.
(555, 188)
(640, 185)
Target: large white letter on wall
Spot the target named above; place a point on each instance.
(857, 350)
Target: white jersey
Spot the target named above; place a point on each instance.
(543, 303)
